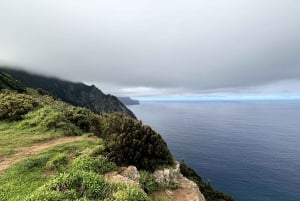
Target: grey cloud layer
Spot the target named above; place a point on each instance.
(192, 45)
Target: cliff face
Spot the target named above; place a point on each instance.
(77, 94)
(128, 101)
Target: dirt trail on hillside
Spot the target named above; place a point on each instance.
(29, 151)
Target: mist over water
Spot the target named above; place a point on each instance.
(247, 149)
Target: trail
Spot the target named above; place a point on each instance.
(29, 151)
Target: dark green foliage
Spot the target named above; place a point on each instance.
(129, 142)
(8, 82)
(79, 117)
(44, 93)
(14, 106)
(208, 191)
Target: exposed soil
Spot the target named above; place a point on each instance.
(30, 151)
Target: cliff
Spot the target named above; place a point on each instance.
(77, 94)
(128, 101)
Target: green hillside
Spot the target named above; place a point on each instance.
(74, 170)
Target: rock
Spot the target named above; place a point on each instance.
(187, 190)
(131, 173)
(128, 175)
(167, 175)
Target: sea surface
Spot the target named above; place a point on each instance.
(250, 150)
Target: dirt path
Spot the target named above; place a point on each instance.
(29, 151)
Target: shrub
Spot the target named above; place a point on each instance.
(148, 183)
(128, 142)
(14, 106)
(79, 117)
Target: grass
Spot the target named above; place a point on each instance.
(13, 138)
(41, 123)
(71, 171)
(23, 178)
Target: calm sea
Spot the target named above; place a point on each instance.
(248, 149)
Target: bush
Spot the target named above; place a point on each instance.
(14, 106)
(148, 183)
(80, 117)
(129, 142)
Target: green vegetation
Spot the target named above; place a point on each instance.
(22, 179)
(129, 142)
(74, 171)
(14, 106)
(208, 191)
(8, 82)
(77, 178)
(148, 183)
(28, 119)
(77, 94)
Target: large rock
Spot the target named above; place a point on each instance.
(128, 175)
(186, 190)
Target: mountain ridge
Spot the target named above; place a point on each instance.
(75, 93)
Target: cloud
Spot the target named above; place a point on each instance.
(154, 47)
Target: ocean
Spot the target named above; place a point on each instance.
(250, 150)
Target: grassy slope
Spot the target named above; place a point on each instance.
(34, 128)
(36, 123)
(22, 179)
(36, 118)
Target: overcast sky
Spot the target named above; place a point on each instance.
(157, 48)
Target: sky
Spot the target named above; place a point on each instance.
(158, 49)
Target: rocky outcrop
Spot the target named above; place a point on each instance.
(186, 190)
(128, 101)
(129, 175)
